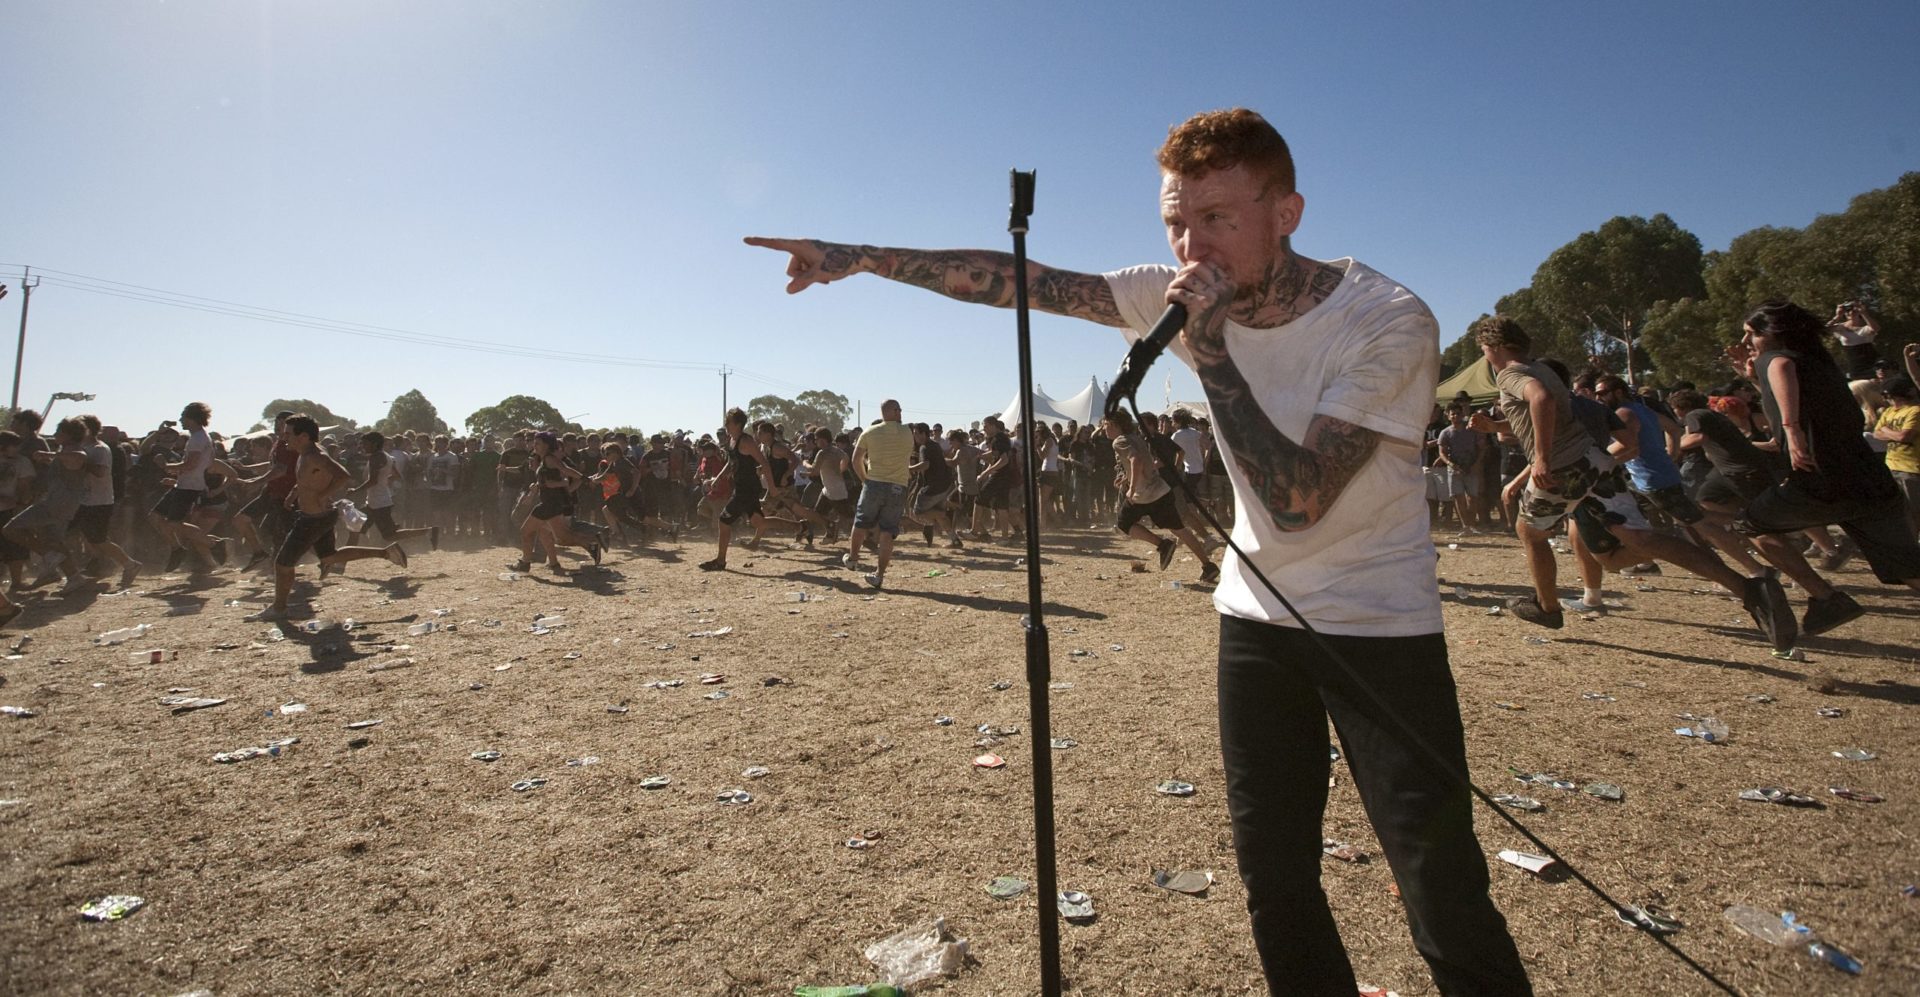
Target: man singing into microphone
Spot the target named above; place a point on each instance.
(1320, 378)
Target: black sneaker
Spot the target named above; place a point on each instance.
(1167, 548)
(174, 559)
(433, 538)
(594, 549)
(1210, 574)
(1527, 608)
(520, 565)
(219, 551)
(1833, 611)
(927, 531)
(1766, 602)
(714, 565)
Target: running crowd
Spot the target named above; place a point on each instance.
(1738, 484)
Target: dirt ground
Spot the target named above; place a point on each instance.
(387, 859)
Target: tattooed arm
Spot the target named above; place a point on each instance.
(1297, 482)
(977, 275)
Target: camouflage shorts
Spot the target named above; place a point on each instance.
(1545, 509)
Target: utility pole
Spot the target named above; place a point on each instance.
(27, 284)
(724, 371)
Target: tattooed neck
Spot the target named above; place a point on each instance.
(1291, 286)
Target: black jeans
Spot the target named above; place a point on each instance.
(1276, 691)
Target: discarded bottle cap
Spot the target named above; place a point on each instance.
(364, 724)
(1075, 906)
(1604, 791)
(734, 797)
(485, 756)
(1650, 919)
(1526, 803)
(1006, 887)
(112, 908)
(1174, 787)
(1185, 881)
(1343, 852)
(656, 782)
(1830, 712)
(756, 772)
(1062, 743)
(1775, 794)
(526, 784)
(1536, 864)
(1856, 795)
(1855, 755)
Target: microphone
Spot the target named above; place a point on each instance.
(1145, 351)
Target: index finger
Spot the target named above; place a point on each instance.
(765, 242)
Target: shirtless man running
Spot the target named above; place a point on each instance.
(317, 479)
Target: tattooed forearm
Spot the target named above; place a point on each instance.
(980, 276)
(1297, 483)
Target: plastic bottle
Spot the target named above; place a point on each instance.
(422, 629)
(122, 635)
(1766, 926)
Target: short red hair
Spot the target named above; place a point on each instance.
(1222, 140)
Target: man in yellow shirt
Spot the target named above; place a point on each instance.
(1899, 425)
(880, 460)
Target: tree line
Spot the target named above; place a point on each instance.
(1643, 284)
(412, 412)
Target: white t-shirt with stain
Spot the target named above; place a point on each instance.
(1368, 355)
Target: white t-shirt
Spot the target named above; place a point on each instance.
(196, 479)
(99, 487)
(443, 469)
(1193, 454)
(1368, 355)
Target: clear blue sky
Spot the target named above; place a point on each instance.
(577, 176)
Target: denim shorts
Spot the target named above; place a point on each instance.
(881, 504)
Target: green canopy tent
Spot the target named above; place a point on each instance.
(1476, 379)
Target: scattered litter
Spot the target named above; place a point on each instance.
(734, 797)
(1760, 697)
(583, 760)
(935, 573)
(621, 708)
(656, 782)
(718, 632)
(943, 721)
(1060, 685)
(1790, 654)
(1075, 906)
(1536, 864)
(122, 635)
(1855, 755)
(1174, 787)
(1537, 640)
(664, 647)
(390, 664)
(1001, 686)
(836, 633)
(1651, 919)
(1856, 795)
(1774, 794)
(988, 761)
(756, 772)
(1547, 779)
(1526, 803)
(152, 657)
(1706, 729)
(773, 680)
(485, 756)
(1495, 611)
(187, 704)
(422, 629)
(502, 668)
(570, 656)
(1604, 791)
(858, 843)
(717, 694)
(271, 748)
(1062, 743)
(712, 678)
(359, 742)
(1513, 707)
(364, 724)
(1830, 712)
(1138, 567)
(1343, 852)
(1174, 583)
(1006, 887)
(1596, 697)
(1774, 929)
(798, 597)
(112, 908)
(917, 954)
(526, 784)
(18, 712)
(1116, 647)
(1185, 881)
(992, 731)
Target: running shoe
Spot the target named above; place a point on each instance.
(1840, 556)
(874, 578)
(1167, 547)
(1833, 611)
(714, 565)
(593, 549)
(1766, 602)
(1210, 574)
(433, 538)
(1527, 608)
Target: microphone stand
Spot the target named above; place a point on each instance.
(1039, 657)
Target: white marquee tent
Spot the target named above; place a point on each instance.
(1083, 408)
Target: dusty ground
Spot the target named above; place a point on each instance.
(405, 865)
